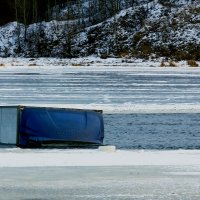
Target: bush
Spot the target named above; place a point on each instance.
(104, 56)
(162, 64)
(123, 53)
(192, 63)
(32, 64)
(146, 49)
(172, 64)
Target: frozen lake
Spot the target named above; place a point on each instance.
(28, 174)
(117, 87)
(114, 183)
(145, 107)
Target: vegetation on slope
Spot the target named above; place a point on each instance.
(107, 28)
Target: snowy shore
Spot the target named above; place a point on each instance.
(89, 61)
(62, 158)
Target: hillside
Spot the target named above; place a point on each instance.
(148, 28)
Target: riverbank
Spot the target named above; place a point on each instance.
(94, 61)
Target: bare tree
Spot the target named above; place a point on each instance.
(18, 26)
(34, 11)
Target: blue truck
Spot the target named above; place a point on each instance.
(27, 126)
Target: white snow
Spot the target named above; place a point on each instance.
(50, 158)
(180, 26)
(9, 35)
(94, 61)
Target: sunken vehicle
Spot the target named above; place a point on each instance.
(29, 127)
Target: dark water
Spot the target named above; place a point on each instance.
(153, 131)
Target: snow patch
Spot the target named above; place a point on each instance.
(50, 158)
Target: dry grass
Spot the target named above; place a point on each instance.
(192, 63)
(77, 64)
(2, 65)
(163, 64)
(32, 65)
(172, 63)
(123, 54)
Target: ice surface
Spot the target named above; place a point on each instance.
(50, 158)
(92, 174)
(110, 85)
(123, 90)
(92, 183)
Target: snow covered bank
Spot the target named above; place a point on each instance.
(52, 157)
(147, 28)
(93, 61)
